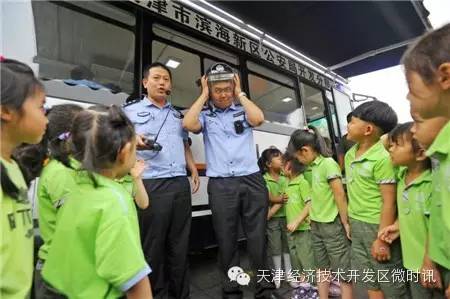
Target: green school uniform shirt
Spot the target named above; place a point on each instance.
(323, 205)
(55, 182)
(276, 188)
(97, 235)
(16, 240)
(299, 193)
(413, 203)
(364, 176)
(439, 244)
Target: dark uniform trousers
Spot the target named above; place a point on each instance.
(165, 227)
(245, 200)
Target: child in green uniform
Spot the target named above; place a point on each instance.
(95, 250)
(414, 189)
(270, 164)
(297, 217)
(330, 233)
(371, 187)
(55, 182)
(438, 263)
(22, 121)
(427, 69)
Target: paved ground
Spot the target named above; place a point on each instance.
(206, 280)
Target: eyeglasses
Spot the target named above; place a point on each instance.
(223, 90)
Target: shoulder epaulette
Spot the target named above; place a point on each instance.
(132, 102)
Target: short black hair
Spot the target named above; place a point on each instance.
(378, 113)
(153, 65)
(266, 157)
(349, 117)
(428, 53)
(404, 131)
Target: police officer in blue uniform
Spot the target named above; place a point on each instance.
(236, 189)
(163, 145)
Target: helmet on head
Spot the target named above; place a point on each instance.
(220, 72)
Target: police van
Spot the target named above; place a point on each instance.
(91, 52)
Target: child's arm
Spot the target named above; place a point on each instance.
(380, 249)
(430, 270)
(273, 209)
(341, 202)
(141, 196)
(274, 199)
(140, 290)
(292, 226)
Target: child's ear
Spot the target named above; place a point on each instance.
(443, 73)
(369, 130)
(124, 152)
(421, 156)
(6, 113)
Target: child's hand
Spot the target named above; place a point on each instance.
(430, 271)
(447, 292)
(292, 227)
(390, 233)
(284, 198)
(347, 231)
(138, 169)
(381, 251)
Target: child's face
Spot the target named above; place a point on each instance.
(287, 168)
(356, 129)
(30, 122)
(401, 151)
(128, 158)
(305, 155)
(276, 163)
(424, 98)
(426, 130)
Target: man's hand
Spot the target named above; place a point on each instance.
(237, 86)
(381, 251)
(195, 181)
(140, 142)
(205, 87)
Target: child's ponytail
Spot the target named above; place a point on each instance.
(308, 137)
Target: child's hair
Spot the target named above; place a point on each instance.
(267, 156)
(428, 53)
(17, 84)
(98, 134)
(31, 157)
(403, 131)
(296, 167)
(60, 119)
(378, 113)
(308, 137)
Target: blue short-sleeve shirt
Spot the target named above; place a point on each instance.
(228, 153)
(148, 119)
